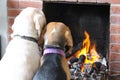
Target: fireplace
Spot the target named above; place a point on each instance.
(112, 43)
(80, 17)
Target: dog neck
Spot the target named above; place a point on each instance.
(27, 38)
(53, 51)
(53, 46)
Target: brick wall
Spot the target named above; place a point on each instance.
(15, 6)
(114, 56)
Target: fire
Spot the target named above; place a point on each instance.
(86, 45)
(88, 50)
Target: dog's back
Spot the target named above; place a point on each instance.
(54, 65)
(20, 61)
(22, 56)
(51, 68)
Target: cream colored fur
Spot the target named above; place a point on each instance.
(21, 59)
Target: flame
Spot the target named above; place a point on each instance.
(85, 46)
(94, 53)
(88, 50)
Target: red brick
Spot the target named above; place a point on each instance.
(114, 66)
(63, 0)
(114, 76)
(115, 1)
(115, 19)
(115, 39)
(70, 0)
(9, 33)
(12, 4)
(24, 4)
(114, 47)
(103, 1)
(115, 10)
(9, 38)
(10, 30)
(13, 0)
(86, 0)
(13, 13)
(10, 21)
(114, 57)
(115, 29)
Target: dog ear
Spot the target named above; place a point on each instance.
(69, 40)
(40, 24)
(14, 26)
(40, 21)
(41, 38)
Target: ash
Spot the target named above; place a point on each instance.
(97, 71)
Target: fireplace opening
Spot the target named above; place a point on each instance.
(80, 17)
(89, 23)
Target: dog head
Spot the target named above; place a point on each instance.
(58, 35)
(30, 22)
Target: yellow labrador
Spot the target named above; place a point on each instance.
(54, 65)
(21, 59)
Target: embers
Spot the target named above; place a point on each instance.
(86, 71)
(86, 63)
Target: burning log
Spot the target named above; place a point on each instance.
(75, 49)
(81, 59)
(96, 66)
(73, 60)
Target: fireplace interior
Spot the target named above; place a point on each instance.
(80, 17)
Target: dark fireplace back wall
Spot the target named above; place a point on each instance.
(93, 18)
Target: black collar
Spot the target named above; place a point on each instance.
(27, 38)
(53, 46)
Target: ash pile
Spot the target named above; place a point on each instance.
(86, 63)
(88, 71)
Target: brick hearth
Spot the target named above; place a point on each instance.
(15, 6)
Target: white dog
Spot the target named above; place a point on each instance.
(22, 56)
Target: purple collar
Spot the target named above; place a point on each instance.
(53, 51)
